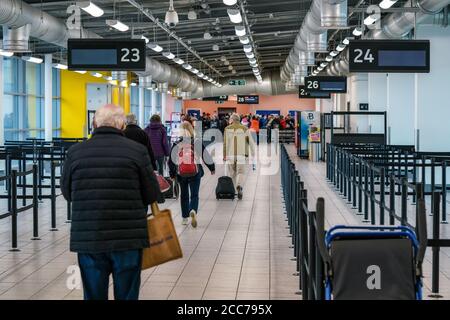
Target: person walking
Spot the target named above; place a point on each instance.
(135, 133)
(185, 165)
(254, 128)
(238, 145)
(110, 182)
(158, 140)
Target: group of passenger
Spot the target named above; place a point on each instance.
(111, 179)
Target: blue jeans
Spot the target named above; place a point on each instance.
(189, 202)
(125, 267)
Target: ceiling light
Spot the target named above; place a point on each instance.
(255, 70)
(124, 83)
(192, 15)
(235, 15)
(60, 66)
(230, 67)
(223, 58)
(96, 74)
(194, 71)
(215, 47)
(230, 2)
(329, 58)
(155, 47)
(346, 41)
(386, 4)
(33, 59)
(150, 88)
(133, 84)
(253, 60)
(171, 18)
(205, 77)
(109, 78)
(357, 32)
(113, 82)
(253, 65)
(226, 63)
(145, 38)
(207, 35)
(187, 66)
(178, 61)
(323, 64)
(244, 40)
(169, 55)
(200, 74)
(233, 71)
(334, 53)
(370, 20)
(90, 8)
(247, 48)
(250, 55)
(340, 47)
(6, 53)
(240, 31)
(80, 71)
(116, 24)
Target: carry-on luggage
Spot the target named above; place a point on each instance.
(173, 192)
(225, 188)
(373, 262)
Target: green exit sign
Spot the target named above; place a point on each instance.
(236, 82)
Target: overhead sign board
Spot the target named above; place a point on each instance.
(234, 82)
(218, 98)
(389, 56)
(326, 84)
(248, 99)
(304, 94)
(105, 54)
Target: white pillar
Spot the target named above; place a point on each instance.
(154, 95)
(48, 108)
(2, 133)
(163, 106)
(358, 94)
(141, 107)
(377, 100)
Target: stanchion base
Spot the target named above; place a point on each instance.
(360, 214)
(444, 222)
(366, 221)
(14, 250)
(68, 221)
(293, 259)
(354, 208)
(41, 201)
(54, 229)
(435, 295)
(35, 238)
(291, 247)
(289, 236)
(299, 293)
(296, 274)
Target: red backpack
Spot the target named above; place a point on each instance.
(186, 160)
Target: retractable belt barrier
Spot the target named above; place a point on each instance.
(380, 179)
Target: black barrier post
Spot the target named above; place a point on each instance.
(13, 186)
(354, 182)
(303, 228)
(444, 192)
(8, 182)
(391, 199)
(360, 186)
(35, 204)
(53, 196)
(372, 195)
(312, 256)
(24, 181)
(433, 189)
(382, 195)
(435, 249)
(366, 191)
(404, 201)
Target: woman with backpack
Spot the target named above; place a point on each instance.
(185, 166)
(158, 140)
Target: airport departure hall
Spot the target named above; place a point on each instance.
(231, 150)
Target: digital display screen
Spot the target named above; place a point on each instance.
(333, 86)
(397, 58)
(248, 99)
(94, 56)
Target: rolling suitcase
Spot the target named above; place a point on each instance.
(225, 188)
(173, 191)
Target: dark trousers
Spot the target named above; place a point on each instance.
(160, 164)
(189, 201)
(125, 267)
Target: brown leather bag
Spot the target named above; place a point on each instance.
(164, 244)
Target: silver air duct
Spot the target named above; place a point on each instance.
(312, 37)
(119, 75)
(16, 39)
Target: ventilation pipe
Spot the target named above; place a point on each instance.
(16, 39)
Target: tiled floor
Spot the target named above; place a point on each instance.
(240, 250)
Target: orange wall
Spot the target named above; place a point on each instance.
(284, 103)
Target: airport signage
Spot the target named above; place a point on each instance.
(326, 84)
(363, 107)
(304, 94)
(217, 99)
(394, 56)
(236, 82)
(248, 99)
(104, 54)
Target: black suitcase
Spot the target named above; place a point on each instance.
(225, 188)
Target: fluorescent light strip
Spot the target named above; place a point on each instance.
(240, 31)
(357, 32)
(244, 40)
(187, 66)
(178, 61)
(370, 20)
(386, 4)
(96, 74)
(235, 15)
(155, 47)
(118, 25)
(80, 71)
(60, 66)
(168, 55)
(230, 2)
(90, 8)
(32, 59)
(6, 53)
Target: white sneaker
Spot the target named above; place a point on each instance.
(193, 215)
(185, 221)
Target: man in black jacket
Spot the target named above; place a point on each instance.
(135, 133)
(110, 181)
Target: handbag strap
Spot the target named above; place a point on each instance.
(155, 208)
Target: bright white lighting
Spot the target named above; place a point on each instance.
(145, 38)
(346, 41)
(90, 8)
(80, 71)
(6, 53)
(60, 66)
(133, 84)
(116, 24)
(334, 53)
(155, 47)
(370, 20)
(194, 71)
(108, 78)
(207, 35)
(169, 55)
(252, 61)
(247, 48)
(240, 31)
(357, 32)
(96, 74)
(200, 74)
(230, 2)
(323, 64)
(250, 55)
(340, 47)
(244, 40)
(178, 61)
(329, 58)
(124, 83)
(386, 4)
(32, 59)
(235, 15)
(187, 66)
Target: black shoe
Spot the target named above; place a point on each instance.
(239, 194)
